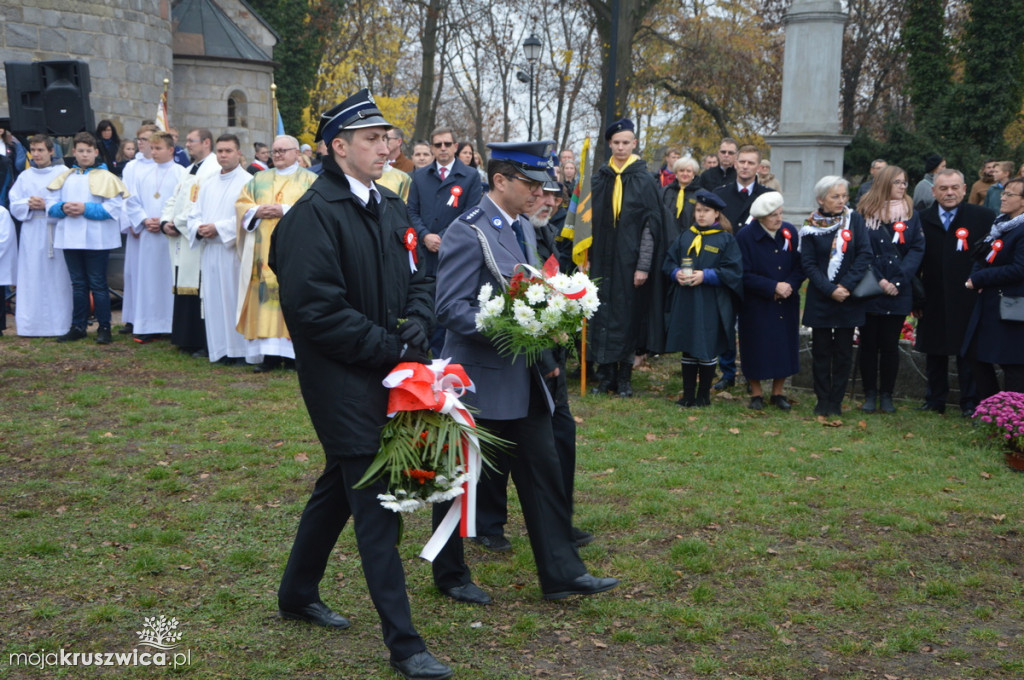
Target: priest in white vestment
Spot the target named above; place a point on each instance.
(133, 213)
(44, 287)
(153, 308)
(213, 223)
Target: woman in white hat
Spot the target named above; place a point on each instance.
(770, 315)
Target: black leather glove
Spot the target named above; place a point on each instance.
(416, 354)
(413, 333)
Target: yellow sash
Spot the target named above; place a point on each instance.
(617, 190)
(698, 240)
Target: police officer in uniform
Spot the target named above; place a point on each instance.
(512, 399)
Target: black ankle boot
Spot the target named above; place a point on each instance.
(606, 379)
(689, 399)
(625, 379)
(705, 376)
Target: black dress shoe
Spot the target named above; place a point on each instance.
(469, 592)
(581, 537)
(317, 613)
(756, 403)
(126, 329)
(422, 666)
(103, 335)
(583, 585)
(75, 333)
(201, 354)
(498, 544)
(927, 406)
(780, 402)
(724, 384)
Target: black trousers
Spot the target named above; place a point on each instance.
(988, 383)
(831, 360)
(492, 492)
(536, 472)
(937, 372)
(880, 352)
(330, 506)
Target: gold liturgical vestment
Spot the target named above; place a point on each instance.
(259, 302)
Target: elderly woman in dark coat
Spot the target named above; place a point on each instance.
(897, 246)
(835, 254)
(706, 272)
(998, 271)
(770, 315)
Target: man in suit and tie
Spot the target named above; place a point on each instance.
(952, 227)
(441, 192)
(511, 398)
(739, 195)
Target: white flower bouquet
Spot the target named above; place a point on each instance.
(538, 310)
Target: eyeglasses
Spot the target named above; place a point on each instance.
(532, 183)
(900, 182)
(1009, 195)
(438, 145)
(142, 139)
(281, 152)
(192, 140)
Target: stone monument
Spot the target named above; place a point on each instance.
(808, 145)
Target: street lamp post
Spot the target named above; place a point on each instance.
(531, 48)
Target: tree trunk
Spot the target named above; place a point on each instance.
(428, 42)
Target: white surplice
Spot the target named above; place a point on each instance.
(220, 263)
(130, 175)
(44, 287)
(8, 253)
(153, 306)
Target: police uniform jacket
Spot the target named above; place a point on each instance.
(944, 269)
(345, 282)
(820, 310)
(502, 384)
(998, 341)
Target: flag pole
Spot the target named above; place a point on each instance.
(273, 111)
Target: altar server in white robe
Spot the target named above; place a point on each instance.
(154, 300)
(132, 213)
(44, 287)
(8, 261)
(213, 222)
(188, 331)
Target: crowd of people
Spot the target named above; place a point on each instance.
(343, 262)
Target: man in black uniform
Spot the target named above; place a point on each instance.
(345, 281)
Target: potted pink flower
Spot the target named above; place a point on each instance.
(1004, 412)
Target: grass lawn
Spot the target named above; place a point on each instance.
(139, 482)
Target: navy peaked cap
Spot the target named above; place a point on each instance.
(358, 111)
(705, 197)
(533, 159)
(619, 126)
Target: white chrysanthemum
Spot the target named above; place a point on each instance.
(533, 327)
(550, 317)
(560, 281)
(522, 312)
(536, 293)
(559, 303)
(590, 302)
(485, 293)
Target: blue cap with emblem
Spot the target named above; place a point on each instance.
(705, 197)
(533, 159)
(358, 111)
(622, 125)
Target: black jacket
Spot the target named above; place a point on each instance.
(948, 304)
(737, 206)
(345, 282)
(820, 310)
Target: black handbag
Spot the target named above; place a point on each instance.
(868, 287)
(1011, 307)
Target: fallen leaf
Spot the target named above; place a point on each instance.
(734, 430)
(301, 457)
(599, 644)
(986, 475)
(62, 509)
(162, 463)
(651, 437)
(184, 567)
(771, 434)
(810, 479)
(815, 455)
(998, 519)
(909, 435)
(772, 551)
(108, 434)
(862, 424)
(836, 449)
(579, 421)
(691, 418)
(476, 624)
(277, 444)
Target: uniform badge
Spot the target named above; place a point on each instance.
(496, 221)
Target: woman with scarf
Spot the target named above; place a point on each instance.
(110, 144)
(835, 253)
(897, 246)
(705, 269)
(770, 316)
(998, 273)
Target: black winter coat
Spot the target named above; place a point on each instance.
(998, 342)
(897, 263)
(948, 305)
(618, 328)
(345, 282)
(820, 310)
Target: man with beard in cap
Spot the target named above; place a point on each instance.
(512, 400)
(345, 281)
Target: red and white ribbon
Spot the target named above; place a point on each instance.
(997, 245)
(961, 239)
(453, 200)
(898, 229)
(438, 386)
(410, 242)
(788, 245)
(847, 236)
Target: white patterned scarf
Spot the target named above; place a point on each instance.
(819, 224)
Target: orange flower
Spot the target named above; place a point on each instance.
(421, 476)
